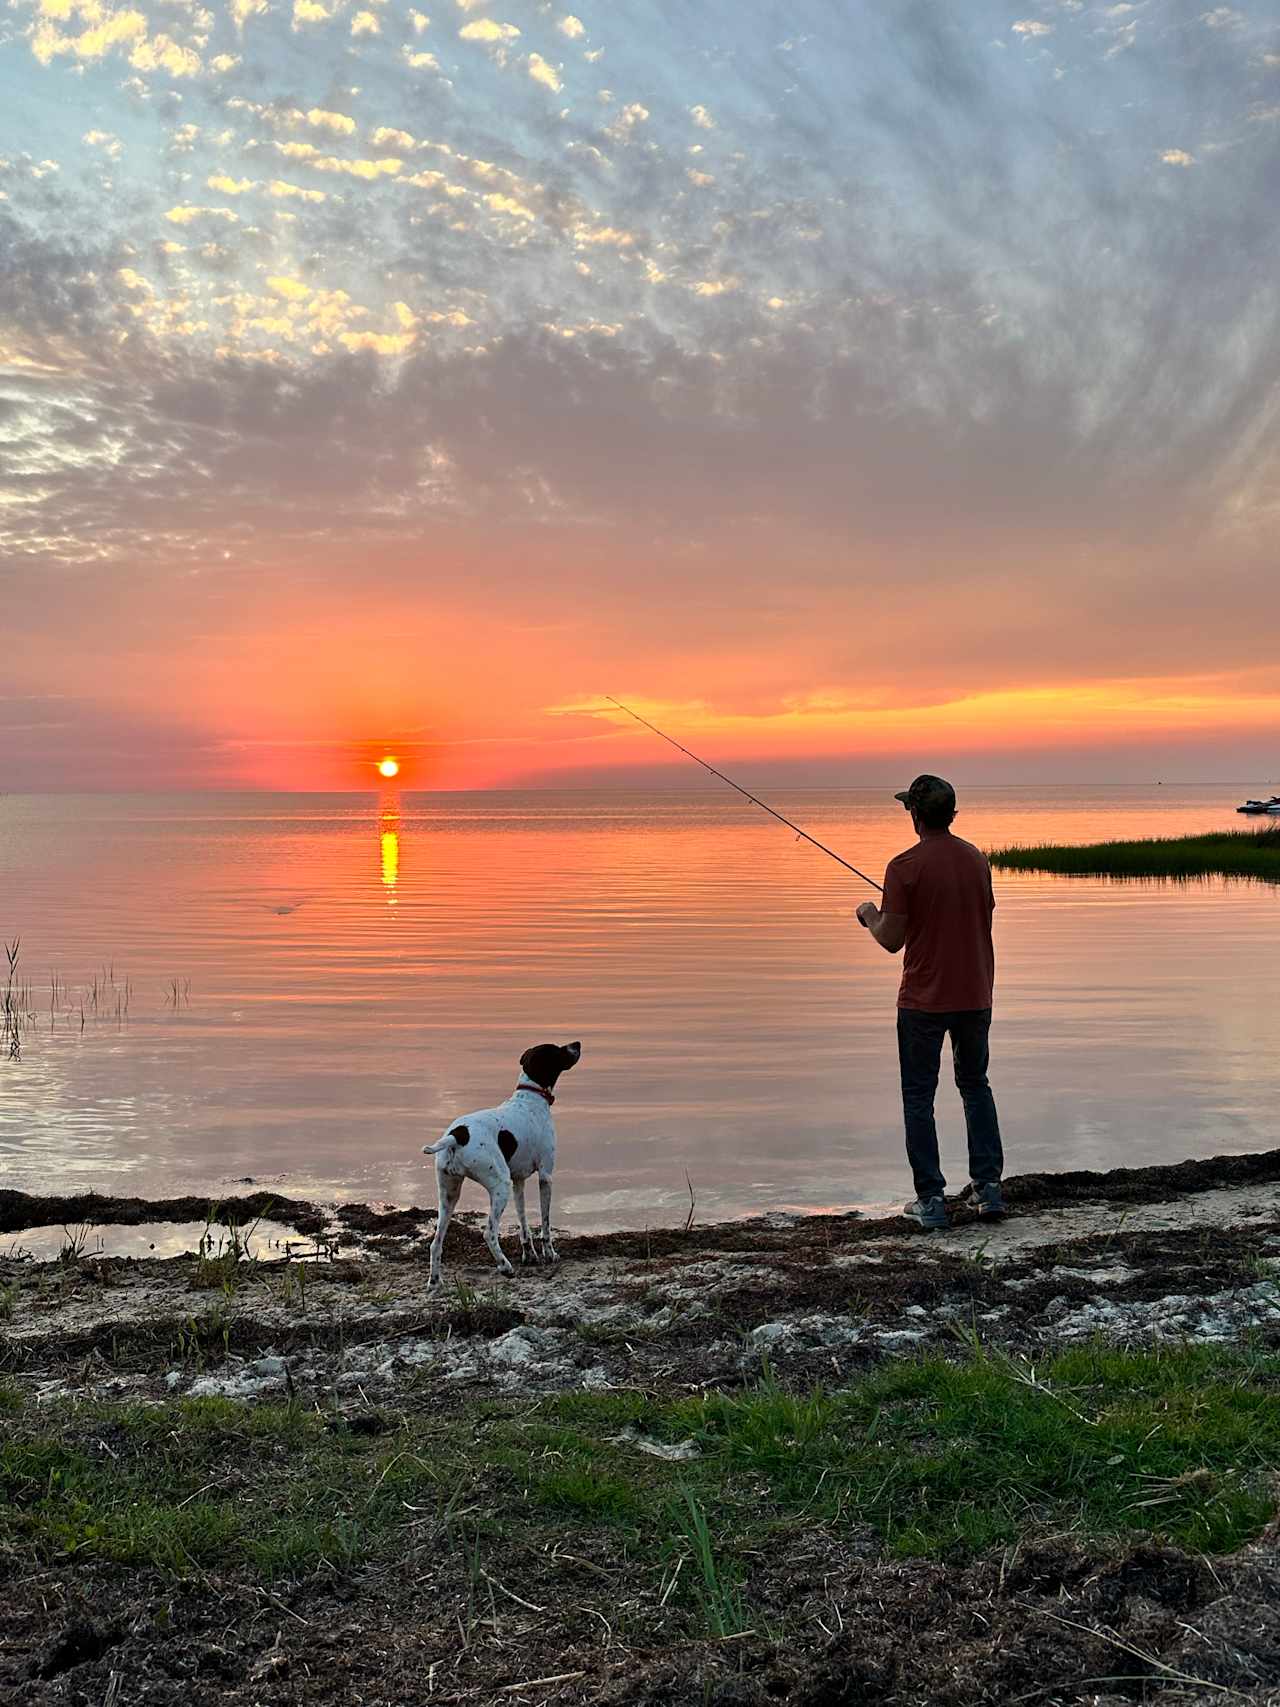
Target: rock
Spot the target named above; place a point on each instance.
(770, 1334)
(895, 1340)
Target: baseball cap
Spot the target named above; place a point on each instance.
(928, 791)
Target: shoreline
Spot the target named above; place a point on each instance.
(655, 1474)
(1033, 1192)
(1190, 1249)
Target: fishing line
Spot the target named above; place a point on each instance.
(754, 799)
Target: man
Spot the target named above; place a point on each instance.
(938, 903)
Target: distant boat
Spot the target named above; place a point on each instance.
(1256, 806)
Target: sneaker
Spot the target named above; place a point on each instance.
(988, 1200)
(928, 1211)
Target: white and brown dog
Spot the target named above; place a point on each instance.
(499, 1148)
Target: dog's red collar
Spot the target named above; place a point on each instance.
(538, 1091)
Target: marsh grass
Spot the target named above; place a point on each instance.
(204, 1340)
(76, 1243)
(224, 1253)
(935, 1458)
(103, 998)
(15, 1002)
(1226, 853)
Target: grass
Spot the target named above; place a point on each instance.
(223, 1258)
(1227, 853)
(15, 1002)
(936, 1458)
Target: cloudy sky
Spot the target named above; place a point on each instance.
(852, 386)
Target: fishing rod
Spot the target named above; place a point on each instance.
(755, 801)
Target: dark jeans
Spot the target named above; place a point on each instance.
(919, 1055)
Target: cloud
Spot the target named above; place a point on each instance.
(381, 343)
(293, 290)
(229, 186)
(702, 118)
(106, 140)
(487, 30)
(162, 53)
(339, 123)
(572, 27)
(541, 72)
(1031, 28)
(509, 205)
(632, 115)
(293, 192)
(310, 155)
(1177, 157)
(184, 214)
(365, 24)
(105, 33)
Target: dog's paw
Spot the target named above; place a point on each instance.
(550, 1253)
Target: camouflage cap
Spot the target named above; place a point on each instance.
(928, 791)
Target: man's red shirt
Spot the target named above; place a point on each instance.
(942, 886)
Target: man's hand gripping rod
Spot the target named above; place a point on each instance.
(755, 801)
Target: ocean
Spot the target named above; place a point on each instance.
(303, 989)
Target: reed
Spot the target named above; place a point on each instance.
(1224, 853)
(15, 1002)
(103, 998)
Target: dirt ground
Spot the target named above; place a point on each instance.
(1136, 1257)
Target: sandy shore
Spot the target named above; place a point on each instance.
(1144, 1254)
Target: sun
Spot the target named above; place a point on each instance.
(389, 766)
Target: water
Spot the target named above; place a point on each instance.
(318, 984)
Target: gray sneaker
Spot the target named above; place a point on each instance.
(988, 1200)
(929, 1212)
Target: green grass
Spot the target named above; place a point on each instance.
(942, 1458)
(938, 1458)
(196, 1483)
(1228, 853)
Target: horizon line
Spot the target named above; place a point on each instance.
(606, 788)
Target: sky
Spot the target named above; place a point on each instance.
(856, 390)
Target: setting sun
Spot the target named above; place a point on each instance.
(389, 767)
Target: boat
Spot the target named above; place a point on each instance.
(1257, 806)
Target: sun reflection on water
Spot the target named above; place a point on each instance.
(389, 841)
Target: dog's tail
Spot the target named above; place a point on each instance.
(455, 1137)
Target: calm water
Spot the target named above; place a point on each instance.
(353, 972)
